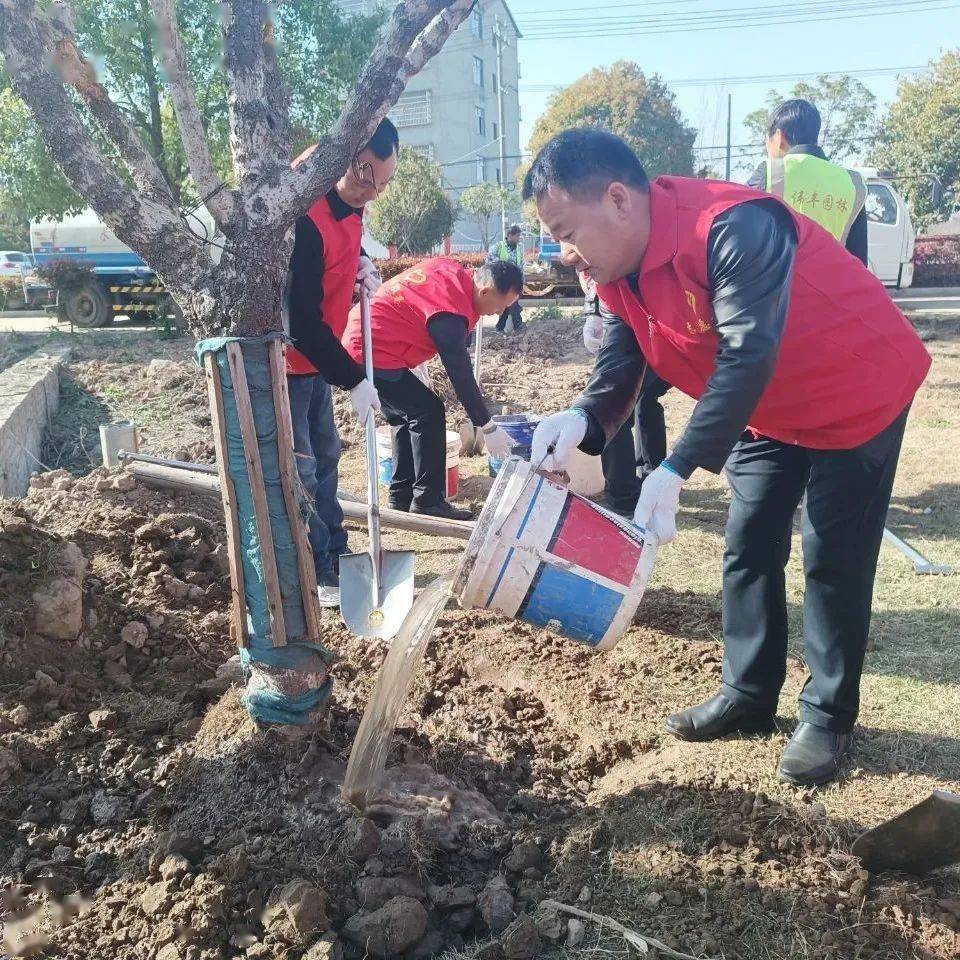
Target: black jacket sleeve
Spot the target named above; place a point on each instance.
(308, 331)
(618, 378)
(758, 179)
(750, 257)
(857, 237)
(449, 332)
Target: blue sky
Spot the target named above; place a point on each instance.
(827, 36)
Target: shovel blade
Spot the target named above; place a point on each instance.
(923, 838)
(358, 602)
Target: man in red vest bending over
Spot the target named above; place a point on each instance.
(326, 266)
(428, 310)
(803, 371)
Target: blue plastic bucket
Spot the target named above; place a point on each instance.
(519, 427)
(542, 554)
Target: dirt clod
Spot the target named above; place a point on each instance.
(395, 927)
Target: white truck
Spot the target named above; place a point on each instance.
(890, 233)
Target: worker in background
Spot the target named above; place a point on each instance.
(509, 250)
(430, 310)
(797, 170)
(640, 445)
(803, 371)
(326, 268)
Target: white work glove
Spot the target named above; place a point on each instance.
(593, 333)
(368, 277)
(562, 431)
(363, 399)
(497, 441)
(659, 502)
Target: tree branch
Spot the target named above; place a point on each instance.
(416, 31)
(149, 225)
(219, 200)
(257, 131)
(77, 71)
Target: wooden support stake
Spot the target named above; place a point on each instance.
(288, 478)
(238, 600)
(251, 451)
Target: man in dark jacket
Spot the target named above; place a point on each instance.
(327, 264)
(730, 296)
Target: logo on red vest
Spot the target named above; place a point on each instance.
(697, 325)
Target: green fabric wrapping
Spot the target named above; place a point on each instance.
(284, 683)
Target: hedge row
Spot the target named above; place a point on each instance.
(936, 262)
(390, 268)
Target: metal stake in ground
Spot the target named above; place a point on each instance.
(376, 588)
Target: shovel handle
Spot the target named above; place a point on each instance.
(373, 490)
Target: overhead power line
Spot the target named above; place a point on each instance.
(765, 19)
(756, 78)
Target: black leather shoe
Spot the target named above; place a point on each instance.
(444, 510)
(717, 717)
(813, 755)
(401, 505)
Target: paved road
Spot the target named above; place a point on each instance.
(914, 300)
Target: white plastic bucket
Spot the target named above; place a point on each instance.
(586, 474)
(385, 459)
(543, 554)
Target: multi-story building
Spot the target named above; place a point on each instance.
(450, 110)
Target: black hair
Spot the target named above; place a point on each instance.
(798, 120)
(385, 141)
(514, 228)
(506, 276)
(584, 161)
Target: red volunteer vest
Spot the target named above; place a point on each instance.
(341, 257)
(849, 360)
(401, 308)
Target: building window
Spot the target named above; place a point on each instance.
(481, 122)
(425, 150)
(476, 22)
(494, 78)
(481, 170)
(477, 72)
(496, 132)
(412, 109)
(499, 182)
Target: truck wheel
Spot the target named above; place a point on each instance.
(86, 306)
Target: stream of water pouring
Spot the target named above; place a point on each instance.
(368, 758)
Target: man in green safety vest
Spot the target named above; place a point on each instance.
(511, 250)
(797, 171)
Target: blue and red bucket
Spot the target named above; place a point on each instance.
(554, 559)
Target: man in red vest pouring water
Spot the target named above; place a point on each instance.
(327, 264)
(426, 311)
(803, 371)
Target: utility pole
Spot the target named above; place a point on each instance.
(498, 38)
(729, 129)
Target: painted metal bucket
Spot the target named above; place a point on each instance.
(554, 559)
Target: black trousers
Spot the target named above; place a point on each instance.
(418, 422)
(846, 493)
(637, 449)
(513, 312)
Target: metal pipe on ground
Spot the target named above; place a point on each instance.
(197, 478)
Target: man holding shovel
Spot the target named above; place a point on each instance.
(804, 372)
(427, 311)
(327, 265)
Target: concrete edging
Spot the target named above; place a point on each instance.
(29, 397)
